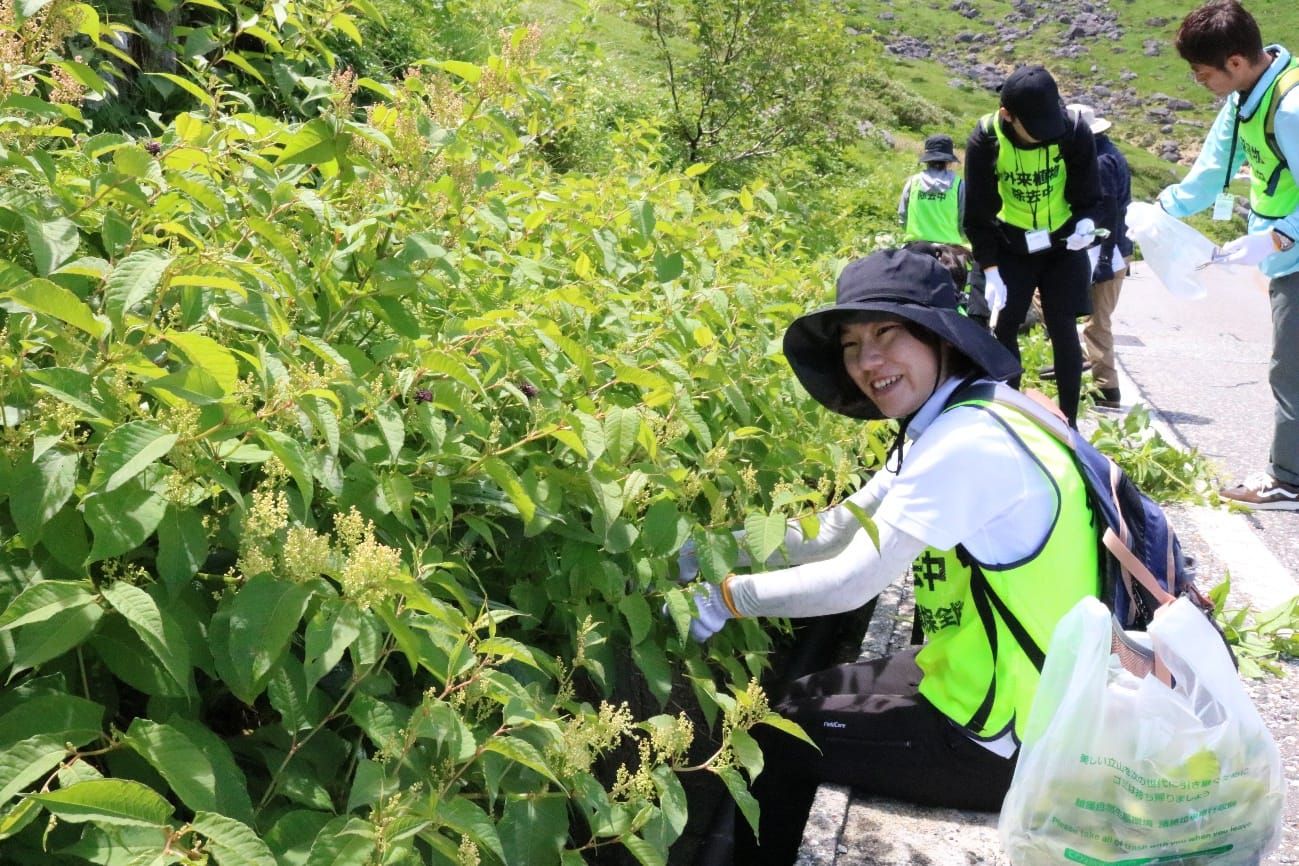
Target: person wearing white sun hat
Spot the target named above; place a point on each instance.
(1109, 257)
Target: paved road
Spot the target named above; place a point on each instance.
(1201, 365)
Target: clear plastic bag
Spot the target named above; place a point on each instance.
(1116, 768)
(1175, 252)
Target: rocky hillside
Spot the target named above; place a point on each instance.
(1115, 56)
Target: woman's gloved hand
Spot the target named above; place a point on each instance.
(713, 612)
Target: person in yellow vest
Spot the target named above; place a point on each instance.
(982, 504)
(1258, 125)
(931, 210)
(932, 203)
(1032, 199)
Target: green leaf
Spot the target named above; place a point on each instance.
(781, 723)
(135, 278)
(643, 851)
(182, 545)
(672, 798)
(40, 488)
(653, 663)
(51, 299)
(343, 842)
(41, 601)
(232, 842)
(108, 801)
(290, 452)
(665, 529)
(38, 644)
(740, 793)
(127, 451)
(53, 240)
(122, 519)
(668, 268)
(312, 143)
(521, 752)
(642, 217)
(392, 428)
(747, 752)
(66, 718)
(330, 632)
(620, 429)
(763, 535)
(468, 71)
(468, 819)
(13, 821)
(197, 764)
(189, 87)
(74, 387)
(264, 615)
(508, 481)
(209, 356)
(159, 633)
(636, 611)
(865, 520)
(533, 831)
(25, 761)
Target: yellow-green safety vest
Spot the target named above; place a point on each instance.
(989, 693)
(1273, 193)
(1030, 182)
(934, 216)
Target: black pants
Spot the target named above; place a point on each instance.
(1063, 277)
(875, 733)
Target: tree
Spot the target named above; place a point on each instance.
(750, 78)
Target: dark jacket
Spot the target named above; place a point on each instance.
(1116, 195)
(988, 236)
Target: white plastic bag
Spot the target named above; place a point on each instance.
(1174, 251)
(1115, 768)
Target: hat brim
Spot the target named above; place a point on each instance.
(1099, 125)
(812, 348)
(938, 156)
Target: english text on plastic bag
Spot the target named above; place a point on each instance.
(1119, 769)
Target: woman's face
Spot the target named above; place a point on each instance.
(894, 369)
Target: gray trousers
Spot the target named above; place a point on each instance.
(1283, 376)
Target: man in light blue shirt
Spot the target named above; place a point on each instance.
(1259, 124)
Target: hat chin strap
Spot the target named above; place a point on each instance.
(939, 377)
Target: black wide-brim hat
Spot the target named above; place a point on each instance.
(939, 148)
(900, 283)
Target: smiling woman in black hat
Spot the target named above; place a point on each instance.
(983, 505)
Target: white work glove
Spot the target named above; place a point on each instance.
(994, 290)
(713, 612)
(1247, 250)
(1083, 235)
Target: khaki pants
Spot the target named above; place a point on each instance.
(1098, 336)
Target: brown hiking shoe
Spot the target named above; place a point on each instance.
(1262, 492)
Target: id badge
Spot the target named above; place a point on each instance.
(1223, 206)
(1038, 240)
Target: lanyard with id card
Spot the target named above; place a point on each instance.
(1225, 202)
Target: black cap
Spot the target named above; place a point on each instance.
(1031, 97)
(908, 285)
(939, 148)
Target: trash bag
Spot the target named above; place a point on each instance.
(1120, 768)
(1175, 252)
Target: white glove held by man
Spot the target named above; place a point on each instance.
(1083, 235)
(713, 612)
(1247, 250)
(994, 290)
